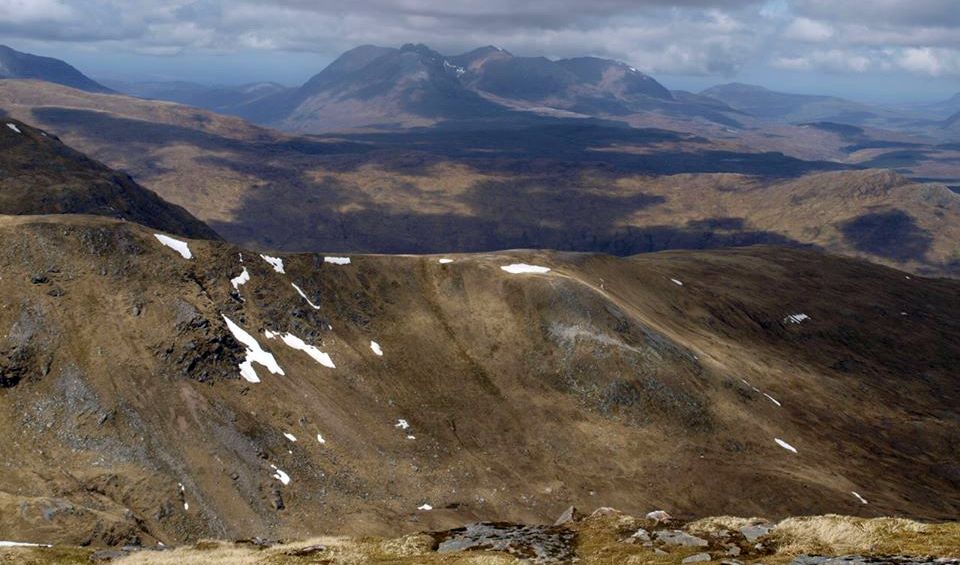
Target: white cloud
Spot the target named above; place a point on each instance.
(933, 62)
(833, 60)
(807, 30)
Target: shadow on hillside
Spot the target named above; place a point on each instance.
(291, 211)
(500, 147)
(526, 213)
(892, 234)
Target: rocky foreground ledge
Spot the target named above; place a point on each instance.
(606, 537)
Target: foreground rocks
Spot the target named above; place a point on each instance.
(604, 537)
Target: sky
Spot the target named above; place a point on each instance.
(871, 50)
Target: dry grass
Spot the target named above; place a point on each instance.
(838, 535)
(598, 543)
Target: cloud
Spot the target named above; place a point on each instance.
(932, 62)
(832, 60)
(697, 37)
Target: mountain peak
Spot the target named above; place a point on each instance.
(17, 65)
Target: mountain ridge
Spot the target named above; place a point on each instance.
(15, 64)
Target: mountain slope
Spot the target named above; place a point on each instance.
(764, 103)
(655, 381)
(41, 175)
(14, 64)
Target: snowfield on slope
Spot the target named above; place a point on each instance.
(180, 247)
(255, 353)
(523, 268)
(275, 262)
(296, 343)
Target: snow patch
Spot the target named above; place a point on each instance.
(14, 128)
(860, 498)
(290, 436)
(302, 294)
(337, 260)
(785, 445)
(276, 262)
(522, 268)
(320, 439)
(297, 343)
(676, 282)
(240, 280)
(445, 261)
(376, 348)
(280, 475)
(772, 399)
(411, 437)
(425, 507)
(22, 543)
(255, 354)
(402, 424)
(795, 318)
(180, 247)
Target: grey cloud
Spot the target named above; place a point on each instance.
(710, 37)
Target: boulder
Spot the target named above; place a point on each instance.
(569, 515)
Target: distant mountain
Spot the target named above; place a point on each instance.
(952, 122)
(415, 85)
(945, 107)
(763, 103)
(216, 98)
(41, 175)
(586, 85)
(14, 64)
(370, 85)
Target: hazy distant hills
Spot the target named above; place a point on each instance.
(763, 103)
(219, 98)
(14, 64)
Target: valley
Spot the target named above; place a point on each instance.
(416, 308)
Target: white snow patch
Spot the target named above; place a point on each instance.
(280, 475)
(402, 424)
(376, 348)
(240, 279)
(411, 437)
(772, 399)
(795, 318)
(860, 498)
(445, 261)
(297, 343)
(275, 261)
(337, 260)
(785, 445)
(22, 543)
(14, 128)
(522, 268)
(676, 282)
(302, 294)
(425, 507)
(186, 505)
(320, 439)
(180, 247)
(255, 354)
(290, 436)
